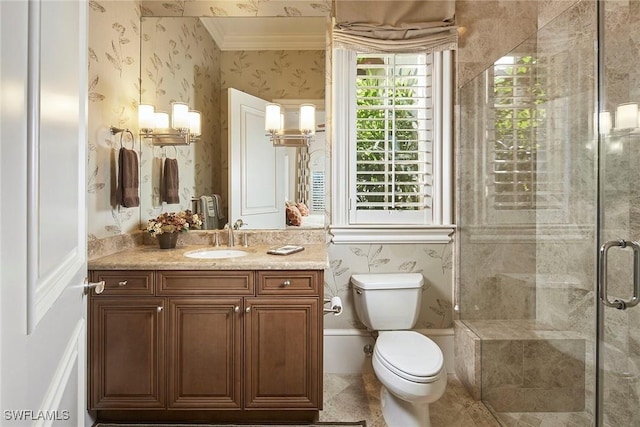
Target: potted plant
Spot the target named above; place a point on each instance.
(168, 224)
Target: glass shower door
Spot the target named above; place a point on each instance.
(618, 354)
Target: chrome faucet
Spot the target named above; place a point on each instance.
(230, 235)
(230, 239)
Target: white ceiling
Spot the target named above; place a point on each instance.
(267, 33)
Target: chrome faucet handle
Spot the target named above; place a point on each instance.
(239, 223)
(245, 241)
(216, 239)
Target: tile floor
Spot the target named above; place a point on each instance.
(357, 397)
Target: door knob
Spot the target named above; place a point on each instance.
(98, 286)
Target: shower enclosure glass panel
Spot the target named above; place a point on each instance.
(527, 164)
(619, 214)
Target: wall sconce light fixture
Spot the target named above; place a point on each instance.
(615, 129)
(281, 137)
(185, 125)
(627, 120)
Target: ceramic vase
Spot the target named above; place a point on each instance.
(167, 240)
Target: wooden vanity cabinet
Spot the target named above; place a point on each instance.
(204, 353)
(126, 344)
(283, 344)
(205, 336)
(223, 340)
(282, 353)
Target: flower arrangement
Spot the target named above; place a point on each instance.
(172, 222)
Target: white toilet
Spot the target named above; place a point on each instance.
(408, 364)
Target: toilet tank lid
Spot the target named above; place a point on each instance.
(387, 280)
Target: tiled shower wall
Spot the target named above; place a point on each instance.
(526, 284)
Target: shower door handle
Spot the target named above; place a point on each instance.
(602, 280)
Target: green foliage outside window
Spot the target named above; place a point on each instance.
(387, 140)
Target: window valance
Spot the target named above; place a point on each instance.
(395, 26)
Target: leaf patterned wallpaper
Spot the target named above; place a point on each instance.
(434, 261)
(236, 8)
(180, 62)
(114, 68)
(114, 93)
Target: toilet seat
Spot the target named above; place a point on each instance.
(409, 355)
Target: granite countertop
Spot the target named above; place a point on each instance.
(149, 257)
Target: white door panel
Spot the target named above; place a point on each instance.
(256, 167)
(56, 125)
(42, 213)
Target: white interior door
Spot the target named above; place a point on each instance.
(43, 213)
(256, 167)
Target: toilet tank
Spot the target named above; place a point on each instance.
(387, 301)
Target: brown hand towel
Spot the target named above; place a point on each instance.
(170, 182)
(127, 188)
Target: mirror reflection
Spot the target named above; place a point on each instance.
(196, 60)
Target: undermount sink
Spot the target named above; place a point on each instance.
(215, 253)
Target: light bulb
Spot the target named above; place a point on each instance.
(179, 115)
(308, 118)
(146, 116)
(627, 116)
(194, 122)
(161, 120)
(272, 120)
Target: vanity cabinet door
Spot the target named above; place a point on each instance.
(283, 353)
(204, 352)
(126, 353)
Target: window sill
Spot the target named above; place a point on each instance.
(387, 234)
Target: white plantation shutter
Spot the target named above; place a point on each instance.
(393, 176)
(317, 191)
(391, 151)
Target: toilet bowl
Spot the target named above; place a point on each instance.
(410, 368)
(409, 365)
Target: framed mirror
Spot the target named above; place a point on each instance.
(195, 60)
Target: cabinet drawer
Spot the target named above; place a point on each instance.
(205, 282)
(294, 282)
(135, 282)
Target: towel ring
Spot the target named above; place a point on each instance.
(166, 155)
(133, 139)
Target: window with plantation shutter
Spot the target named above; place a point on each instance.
(394, 139)
(392, 154)
(317, 191)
